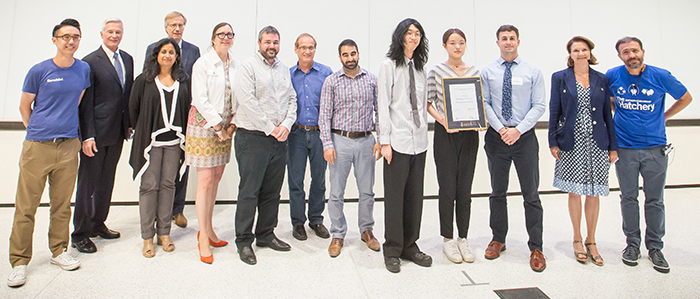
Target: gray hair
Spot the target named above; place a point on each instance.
(269, 29)
(175, 14)
(111, 20)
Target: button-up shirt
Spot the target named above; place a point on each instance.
(528, 96)
(264, 95)
(308, 87)
(110, 55)
(396, 125)
(347, 104)
(209, 86)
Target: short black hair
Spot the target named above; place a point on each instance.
(64, 23)
(348, 42)
(627, 39)
(507, 27)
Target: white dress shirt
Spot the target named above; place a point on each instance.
(110, 55)
(209, 86)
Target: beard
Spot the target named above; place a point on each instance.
(636, 64)
(351, 65)
(269, 53)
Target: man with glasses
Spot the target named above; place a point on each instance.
(49, 107)
(104, 124)
(175, 23)
(304, 141)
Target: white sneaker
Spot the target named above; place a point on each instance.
(451, 251)
(464, 249)
(66, 261)
(18, 276)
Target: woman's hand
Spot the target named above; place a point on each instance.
(556, 152)
(613, 156)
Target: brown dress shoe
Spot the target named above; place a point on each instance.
(180, 220)
(537, 262)
(371, 241)
(493, 251)
(334, 248)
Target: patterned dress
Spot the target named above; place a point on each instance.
(203, 148)
(584, 169)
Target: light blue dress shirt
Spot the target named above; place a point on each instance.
(529, 95)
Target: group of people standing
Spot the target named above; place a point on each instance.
(186, 110)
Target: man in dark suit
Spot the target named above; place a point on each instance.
(175, 26)
(104, 124)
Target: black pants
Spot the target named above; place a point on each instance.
(524, 153)
(95, 184)
(455, 160)
(261, 163)
(403, 203)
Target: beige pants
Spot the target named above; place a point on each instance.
(39, 160)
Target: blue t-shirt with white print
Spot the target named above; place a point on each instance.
(640, 105)
(57, 90)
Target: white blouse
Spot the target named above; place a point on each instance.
(209, 85)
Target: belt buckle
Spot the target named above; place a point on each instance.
(59, 140)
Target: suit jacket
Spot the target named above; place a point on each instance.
(104, 110)
(190, 54)
(563, 107)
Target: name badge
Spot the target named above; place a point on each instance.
(517, 81)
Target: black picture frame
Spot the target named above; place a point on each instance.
(450, 121)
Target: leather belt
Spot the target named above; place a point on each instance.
(353, 135)
(58, 140)
(308, 128)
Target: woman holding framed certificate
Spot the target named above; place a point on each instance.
(455, 151)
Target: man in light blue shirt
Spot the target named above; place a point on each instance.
(514, 97)
(305, 141)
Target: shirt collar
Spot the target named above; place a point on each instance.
(213, 58)
(407, 60)
(502, 61)
(314, 66)
(342, 73)
(179, 44)
(257, 53)
(109, 52)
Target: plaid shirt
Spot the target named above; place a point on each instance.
(347, 104)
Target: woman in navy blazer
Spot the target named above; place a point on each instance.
(582, 139)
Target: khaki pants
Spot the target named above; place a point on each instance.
(39, 160)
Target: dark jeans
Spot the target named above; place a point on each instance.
(403, 203)
(261, 161)
(652, 165)
(94, 194)
(455, 160)
(180, 191)
(524, 153)
(303, 144)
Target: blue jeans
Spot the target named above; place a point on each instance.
(652, 165)
(303, 144)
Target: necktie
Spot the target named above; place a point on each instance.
(118, 67)
(507, 109)
(414, 98)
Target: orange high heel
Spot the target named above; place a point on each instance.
(205, 259)
(221, 243)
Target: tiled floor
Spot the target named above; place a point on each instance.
(118, 269)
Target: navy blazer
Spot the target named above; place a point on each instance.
(190, 54)
(563, 106)
(104, 110)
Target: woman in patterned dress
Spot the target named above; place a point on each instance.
(209, 130)
(582, 140)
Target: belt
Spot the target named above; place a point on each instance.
(308, 128)
(352, 135)
(58, 140)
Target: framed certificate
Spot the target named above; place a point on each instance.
(464, 103)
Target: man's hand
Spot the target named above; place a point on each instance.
(89, 147)
(280, 133)
(386, 152)
(329, 155)
(555, 152)
(510, 136)
(129, 133)
(377, 151)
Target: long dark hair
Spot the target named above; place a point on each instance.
(420, 54)
(153, 68)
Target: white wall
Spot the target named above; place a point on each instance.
(545, 26)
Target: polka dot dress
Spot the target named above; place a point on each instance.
(584, 169)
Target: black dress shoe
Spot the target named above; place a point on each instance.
(85, 245)
(274, 244)
(106, 233)
(247, 255)
(420, 259)
(393, 264)
(299, 233)
(320, 230)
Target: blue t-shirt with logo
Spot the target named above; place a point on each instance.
(640, 105)
(57, 90)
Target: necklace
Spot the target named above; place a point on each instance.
(584, 76)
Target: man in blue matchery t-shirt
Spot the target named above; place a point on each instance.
(55, 88)
(638, 96)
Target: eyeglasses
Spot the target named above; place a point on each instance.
(414, 34)
(222, 35)
(173, 26)
(305, 48)
(68, 37)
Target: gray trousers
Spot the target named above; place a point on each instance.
(652, 165)
(158, 190)
(357, 153)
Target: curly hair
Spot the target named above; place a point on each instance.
(420, 54)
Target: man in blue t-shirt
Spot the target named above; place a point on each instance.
(638, 96)
(49, 106)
